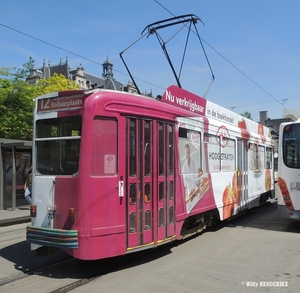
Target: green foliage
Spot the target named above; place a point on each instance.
(57, 82)
(16, 107)
(247, 115)
(23, 72)
(17, 99)
(16, 104)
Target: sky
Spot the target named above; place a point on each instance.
(252, 46)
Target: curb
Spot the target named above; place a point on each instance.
(12, 221)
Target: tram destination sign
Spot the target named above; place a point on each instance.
(184, 99)
(59, 103)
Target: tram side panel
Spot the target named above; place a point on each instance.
(98, 204)
(101, 193)
(227, 174)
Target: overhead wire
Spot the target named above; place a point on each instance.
(70, 52)
(95, 62)
(281, 103)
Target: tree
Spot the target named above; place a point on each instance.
(16, 103)
(247, 115)
(23, 72)
(57, 82)
(17, 99)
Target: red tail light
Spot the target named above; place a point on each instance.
(72, 215)
(33, 211)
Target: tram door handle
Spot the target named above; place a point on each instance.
(121, 187)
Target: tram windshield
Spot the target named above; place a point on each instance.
(291, 145)
(57, 144)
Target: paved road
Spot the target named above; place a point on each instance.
(256, 252)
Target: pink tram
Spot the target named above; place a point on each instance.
(114, 172)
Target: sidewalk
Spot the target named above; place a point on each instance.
(19, 215)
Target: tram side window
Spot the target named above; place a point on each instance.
(190, 151)
(161, 149)
(291, 145)
(228, 154)
(190, 159)
(132, 222)
(171, 148)
(132, 194)
(161, 217)
(147, 220)
(262, 151)
(104, 147)
(213, 147)
(165, 148)
(290, 154)
(257, 157)
(132, 153)
(269, 158)
(147, 150)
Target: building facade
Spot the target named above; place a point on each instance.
(273, 124)
(84, 80)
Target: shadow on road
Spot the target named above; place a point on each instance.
(265, 217)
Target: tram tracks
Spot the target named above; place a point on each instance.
(29, 273)
(69, 274)
(103, 267)
(20, 272)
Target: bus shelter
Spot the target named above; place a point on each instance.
(15, 161)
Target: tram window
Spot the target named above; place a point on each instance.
(147, 151)
(190, 149)
(104, 147)
(161, 144)
(190, 160)
(161, 191)
(228, 156)
(132, 194)
(57, 156)
(147, 220)
(171, 149)
(291, 153)
(132, 220)
(268, 158)
(213, 143)
(291, 145)
(147, 193)
(59, 127)
(132, 151)
(257, 157)
(183, 132)
(161, 217)
(171, 190)
(58, 145)
(262, 151)
(171, 215)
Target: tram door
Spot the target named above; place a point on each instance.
(242, 154)
(149, 203)
(165, 184)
